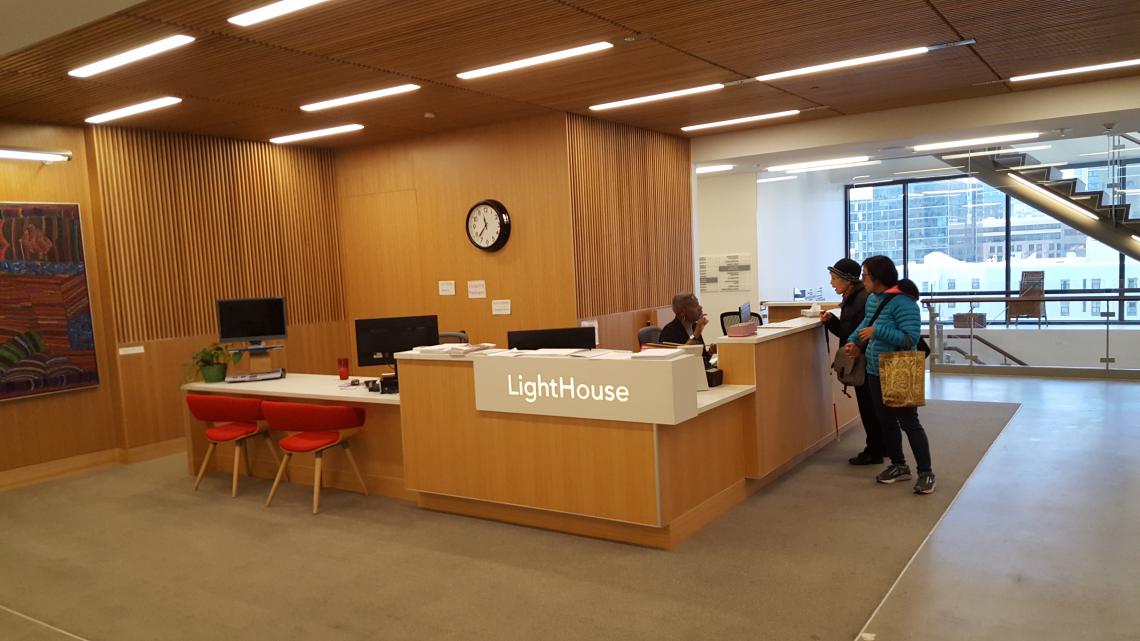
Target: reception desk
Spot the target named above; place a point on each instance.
(779, 311)
(644, 474)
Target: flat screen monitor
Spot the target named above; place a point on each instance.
(251, 319)
(379, 339)
(746, 312)
(561, 338)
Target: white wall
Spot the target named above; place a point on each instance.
(726, 224)
(800, 232)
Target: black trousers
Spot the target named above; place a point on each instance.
(895, 421)
(871, 423)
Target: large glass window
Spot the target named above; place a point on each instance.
(875, 222)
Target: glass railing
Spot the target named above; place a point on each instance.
(1074, 332)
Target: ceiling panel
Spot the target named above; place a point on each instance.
(669, 116)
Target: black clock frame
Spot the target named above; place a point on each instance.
(504, 225)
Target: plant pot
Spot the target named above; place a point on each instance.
(214, 373)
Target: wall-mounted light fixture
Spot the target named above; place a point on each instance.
(8, 152)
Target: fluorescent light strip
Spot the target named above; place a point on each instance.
(271, 11)
(535, 60)
(134, 55)
(867, 163)
(1128, 191)
(1130, 150)
(853, 62)
(150, 105)
(1073, 70)
(316, 133)
(657, 96)
(863, 176)
(874, 182)
(983, 204)
(1037, 166)
(1054, 197)
(712, 169)
(1136, 238)
(923, 171)
(947, 192)
(737, 121)
(971, 142)
(360, 97)
(819, 163)
(41, 156)
(997, 152)
(776, 179)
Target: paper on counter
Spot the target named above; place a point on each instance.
(658, 353)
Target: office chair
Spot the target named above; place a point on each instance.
(317, 428)
(648, 334)
(453, 337)
(235, 420)
(732, 318)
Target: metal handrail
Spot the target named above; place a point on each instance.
(983, 341)
(1028, 299)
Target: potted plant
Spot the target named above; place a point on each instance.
(211, 362)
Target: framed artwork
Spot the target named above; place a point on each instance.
(47, 342)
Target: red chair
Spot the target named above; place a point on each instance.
(236, 419)
(317, 428)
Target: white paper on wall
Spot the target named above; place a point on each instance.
(726, 273)
(446, 288)
(476, 289)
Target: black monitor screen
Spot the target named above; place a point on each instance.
(378, 339)
(562, 338)
(251, 319)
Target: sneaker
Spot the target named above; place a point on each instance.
(863, 458)
(894, 473)
(925, 484)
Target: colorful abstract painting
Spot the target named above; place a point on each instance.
(47, 343)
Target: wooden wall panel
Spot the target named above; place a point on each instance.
(632, 209)
(70, 424)
(404, 207)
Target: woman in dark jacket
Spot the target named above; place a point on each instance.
(845, 279)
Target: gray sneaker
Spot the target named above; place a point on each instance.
(893, 473)
(925, 483)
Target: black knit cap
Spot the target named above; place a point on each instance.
(846, 269)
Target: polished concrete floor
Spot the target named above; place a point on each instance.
(1043, 542)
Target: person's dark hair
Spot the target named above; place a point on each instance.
(682, 300)
(908, 287)
(882, 270)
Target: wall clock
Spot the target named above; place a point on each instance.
(488, 225)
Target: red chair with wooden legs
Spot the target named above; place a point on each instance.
(316, 428)
(235, 420)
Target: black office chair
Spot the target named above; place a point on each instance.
(648, 334)
(732, 318)
(453, 337)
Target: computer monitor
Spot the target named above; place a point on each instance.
(746, 312)
(378, 339)
(561, 338)
(251, 319)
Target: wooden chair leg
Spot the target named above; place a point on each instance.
(237, 466)
(355, 468)
(272, 449)
(205, 462)
(277, 479)
(248, 463)
(317, 483)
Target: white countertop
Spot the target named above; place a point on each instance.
(721, 395)
(524, 354)
(799, 303)
(773, 331)
(323, 387)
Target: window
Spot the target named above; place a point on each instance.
(975, 283)
(925, 286)
(1064, 309)
(1095, 311)
(1096, 283)
(1131, 283)
(875, 222)
(951, 305)
(1064, 283)
(950, 283)
(1131, 308)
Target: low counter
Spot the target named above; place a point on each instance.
(779, 311)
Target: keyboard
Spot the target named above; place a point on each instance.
(258, 376)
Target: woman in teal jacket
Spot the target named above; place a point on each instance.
(897, 326)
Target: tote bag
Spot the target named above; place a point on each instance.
(903, 377)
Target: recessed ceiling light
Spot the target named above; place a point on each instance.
(949, 192)
(16, 153)
(712, 169)
(737, 121)
(535, 60)
(873, 182)
(316, 133)
(1073, 70)
(866, 163)
(657, 96)
(841, 64)
(1115, 151)
(923, 171)
(819, 163)
(360, 97)
(150, 105)
(127, 57)
(1037, 166)
(776, 179)
(271, 11)
(997, 152)
(970, 142)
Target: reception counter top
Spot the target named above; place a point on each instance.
(303, 387)
(773, 331)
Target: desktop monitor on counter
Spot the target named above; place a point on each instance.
(561, 338)
(379, 339)
(746, 312)
(251, 319)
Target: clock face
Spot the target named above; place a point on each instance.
(488, 225)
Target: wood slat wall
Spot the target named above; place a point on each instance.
(631, 203)
(191, 219)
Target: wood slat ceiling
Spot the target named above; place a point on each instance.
(249, 82)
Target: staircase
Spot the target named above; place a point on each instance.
(1065, 199)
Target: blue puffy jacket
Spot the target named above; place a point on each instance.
(899, 319)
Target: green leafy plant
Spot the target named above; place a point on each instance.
(209, 356)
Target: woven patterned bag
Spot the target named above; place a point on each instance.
(903, 377)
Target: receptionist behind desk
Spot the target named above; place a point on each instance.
(688, 325)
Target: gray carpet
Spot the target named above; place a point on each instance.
(131, 553)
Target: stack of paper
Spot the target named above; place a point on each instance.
(658, 353)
